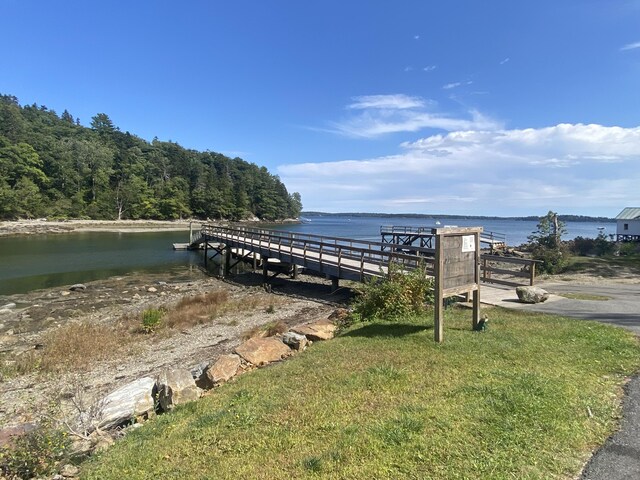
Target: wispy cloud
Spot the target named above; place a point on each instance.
(449, 86)
(416, 37)
(630, 46)
(430, 68)
(397, 101)
(506, 60)
(383, 114)
(567, 167)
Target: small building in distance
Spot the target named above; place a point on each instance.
(628, 228)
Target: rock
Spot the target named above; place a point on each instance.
(261, 351)
(9, 433)
(152, 289)
(296, 341)
(8, 306)
(69, 471)
(4, 311)
(319, 330)
(176, 386)
(198, 370)
(222, 370)
(126, 403)
(65, 293)
(339, 314)
(531, 294)
(77, 287)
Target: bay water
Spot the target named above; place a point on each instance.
(44, 261)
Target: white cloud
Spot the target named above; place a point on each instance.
(574, 168)
(416, 37)
(384, 114)
(630, 46)
(430, 68)
(506, 60)
(449, 86)
(398, 101)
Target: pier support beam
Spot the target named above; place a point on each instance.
(335, 284)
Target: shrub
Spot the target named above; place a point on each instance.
(629, 248)
(582, 246)
(36, 453)
(151, 319)
(401, 293)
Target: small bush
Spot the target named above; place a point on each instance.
(401, 293)
(36, 453)
(151, 319)
(629, 248)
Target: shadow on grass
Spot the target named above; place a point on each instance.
(387, 330)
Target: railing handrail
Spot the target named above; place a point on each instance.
(341, 249)
(321, 239)
(391, 229)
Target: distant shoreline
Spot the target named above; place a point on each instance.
(530, 218)
(43, 226)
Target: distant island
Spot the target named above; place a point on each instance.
(564, 218)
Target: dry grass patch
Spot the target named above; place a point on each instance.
(266, 330)
(206, 307)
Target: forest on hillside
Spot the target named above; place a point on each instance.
(51, 166)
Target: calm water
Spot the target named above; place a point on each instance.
(36, 262)
(368, 228)
(43, 261)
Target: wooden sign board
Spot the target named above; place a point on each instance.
(457, 270)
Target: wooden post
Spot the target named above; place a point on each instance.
(532, 273)
(294, 273)
(438, 330)
(227, 261)
(265, 269)
(476, 293)
(335, 284)
(206, 253)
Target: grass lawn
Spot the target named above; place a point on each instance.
(529, 398)
(607, 266)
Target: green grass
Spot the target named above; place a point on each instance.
(530, 399)
(584, 296)
(607, 266)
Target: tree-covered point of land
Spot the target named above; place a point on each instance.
(52, 166)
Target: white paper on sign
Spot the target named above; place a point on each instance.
(468, 243)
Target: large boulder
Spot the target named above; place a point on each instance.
(222, 370)
(261, 351)
(175, 386)
(318, 330)
(531, 294)
(126, 403)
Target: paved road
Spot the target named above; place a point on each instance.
(619, 457)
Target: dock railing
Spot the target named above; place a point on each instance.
(495, 269)
(341, 257)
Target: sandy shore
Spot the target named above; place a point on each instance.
(30, 227)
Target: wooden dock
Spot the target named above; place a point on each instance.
(337, 258)
(340, 258)
(422, 237)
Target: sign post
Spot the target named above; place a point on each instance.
(457, 270)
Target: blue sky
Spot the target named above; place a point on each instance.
(459, 107)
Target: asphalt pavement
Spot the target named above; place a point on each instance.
(619, 457)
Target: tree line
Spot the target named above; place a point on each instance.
(51, 166)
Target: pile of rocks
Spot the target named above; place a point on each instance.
(139, 400)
